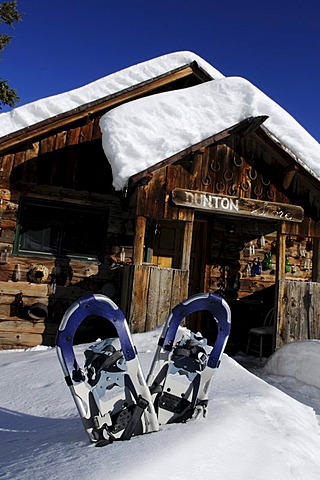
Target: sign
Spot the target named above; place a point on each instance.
(236, 206)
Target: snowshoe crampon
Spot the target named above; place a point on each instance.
(110, 392)
(112, 396)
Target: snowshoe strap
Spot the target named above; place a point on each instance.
(139, 408)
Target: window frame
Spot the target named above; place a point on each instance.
(69, 207)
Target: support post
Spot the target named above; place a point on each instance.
(280, 275)
(139, 240)
(187, 244)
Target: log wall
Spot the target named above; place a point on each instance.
(67, 165)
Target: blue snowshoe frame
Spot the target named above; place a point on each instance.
(134, 405)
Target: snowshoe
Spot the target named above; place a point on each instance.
(182, 368)
(110, 391)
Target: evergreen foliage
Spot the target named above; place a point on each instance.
(9, 15)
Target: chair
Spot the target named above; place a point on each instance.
(258, 335)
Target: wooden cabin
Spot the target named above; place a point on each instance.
(202, 220)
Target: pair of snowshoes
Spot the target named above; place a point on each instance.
(113, 398)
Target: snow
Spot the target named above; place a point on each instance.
(253, 431)
(46, 108)
(139, 134)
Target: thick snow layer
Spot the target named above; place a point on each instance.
(45, 108)
(143, 132)
(252, 429)
(297, 360)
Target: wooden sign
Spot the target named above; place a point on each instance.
(236, 206)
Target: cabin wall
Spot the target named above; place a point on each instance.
(68, 166)
(240, 167)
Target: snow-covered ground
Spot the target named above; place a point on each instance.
(253, 431)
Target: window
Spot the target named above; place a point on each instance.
(54, 228)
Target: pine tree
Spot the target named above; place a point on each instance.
(9, 15)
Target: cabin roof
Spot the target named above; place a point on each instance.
(69, 106)
(142, 133)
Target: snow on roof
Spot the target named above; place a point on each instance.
(45, 108)
(139, 134)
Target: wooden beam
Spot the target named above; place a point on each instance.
(139, 240)
(217, 137)
(187, 244)
(28, 289)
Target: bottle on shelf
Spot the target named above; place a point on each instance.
(267, 261)
(287, 267)
(122, 255)
(16, 275)
(258, 266)
(254, 268)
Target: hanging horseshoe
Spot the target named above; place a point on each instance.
(253, 174)
(233, 190)
(258, 191)
(215, 168)
(236, 162)
(245, 187)
(265, 182)
(206, 180)
(220, 186)
(228, 177)
(270, 195)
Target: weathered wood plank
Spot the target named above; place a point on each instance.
(137, 316)
(165, 290)
(298, 311)
(26, 326)
(139, 240)
(153, 299)
(6, 168)
(24, 340)
(187, 244)
(179, 290)
(314, 313)
(47, 144)
(73, 136)
(28, 289)
(86, 131)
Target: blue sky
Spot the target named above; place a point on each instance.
(64, 44)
